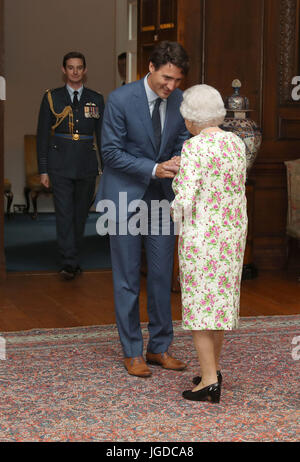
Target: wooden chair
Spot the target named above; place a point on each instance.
(8, 194)
(33, 187)
(293, 216)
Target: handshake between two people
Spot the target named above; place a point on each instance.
(169, 168)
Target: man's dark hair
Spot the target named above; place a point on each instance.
(74, 54)
(170, 52)
(122, 56)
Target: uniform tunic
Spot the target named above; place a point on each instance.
(72, 165)
(71, 159)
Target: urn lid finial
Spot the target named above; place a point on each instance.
(236, 83)
(237, 102)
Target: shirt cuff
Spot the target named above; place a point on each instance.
(154, 172)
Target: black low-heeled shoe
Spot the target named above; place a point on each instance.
(78, 270)
(67, 272)
(212, 393)
(197, 379)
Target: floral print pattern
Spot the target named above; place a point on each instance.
(211, 210)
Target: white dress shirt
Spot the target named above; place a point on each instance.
(71, 92)
(152, 97)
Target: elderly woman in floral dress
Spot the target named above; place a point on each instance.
(210, 208)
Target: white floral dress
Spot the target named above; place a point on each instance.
(210, 206)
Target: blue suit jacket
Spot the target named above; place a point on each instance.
(128, 146)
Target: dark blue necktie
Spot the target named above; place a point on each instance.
(75, 99)
(156, 124)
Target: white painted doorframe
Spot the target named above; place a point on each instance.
(126, 37)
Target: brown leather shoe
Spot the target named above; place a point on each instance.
(137, 366)
(165, 360)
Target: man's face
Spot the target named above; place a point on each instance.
(122, 68)
(164, 80)
(74, 71)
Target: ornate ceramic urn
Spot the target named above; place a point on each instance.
(237, 120)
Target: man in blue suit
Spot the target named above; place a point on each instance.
(142, 137)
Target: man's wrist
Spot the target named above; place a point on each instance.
(154, 171)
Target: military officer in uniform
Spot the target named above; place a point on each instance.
(69, 119)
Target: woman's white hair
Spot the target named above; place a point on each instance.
(203, 105)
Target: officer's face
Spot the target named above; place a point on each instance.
(164, 80)
(122, 68)
(74, 71)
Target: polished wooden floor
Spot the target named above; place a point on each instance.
(42, 300)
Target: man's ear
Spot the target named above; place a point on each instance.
(151, 67)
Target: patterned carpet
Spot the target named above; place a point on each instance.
(70, 385)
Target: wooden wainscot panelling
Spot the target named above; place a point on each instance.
(281, 131)
(270, 214)
(256, 41)
(2, 257)
(190, 35)
(289, 129)
(233, 48)
(289, 123)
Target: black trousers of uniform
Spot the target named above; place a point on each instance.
(72, 200)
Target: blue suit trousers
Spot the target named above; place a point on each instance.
(126, 252)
